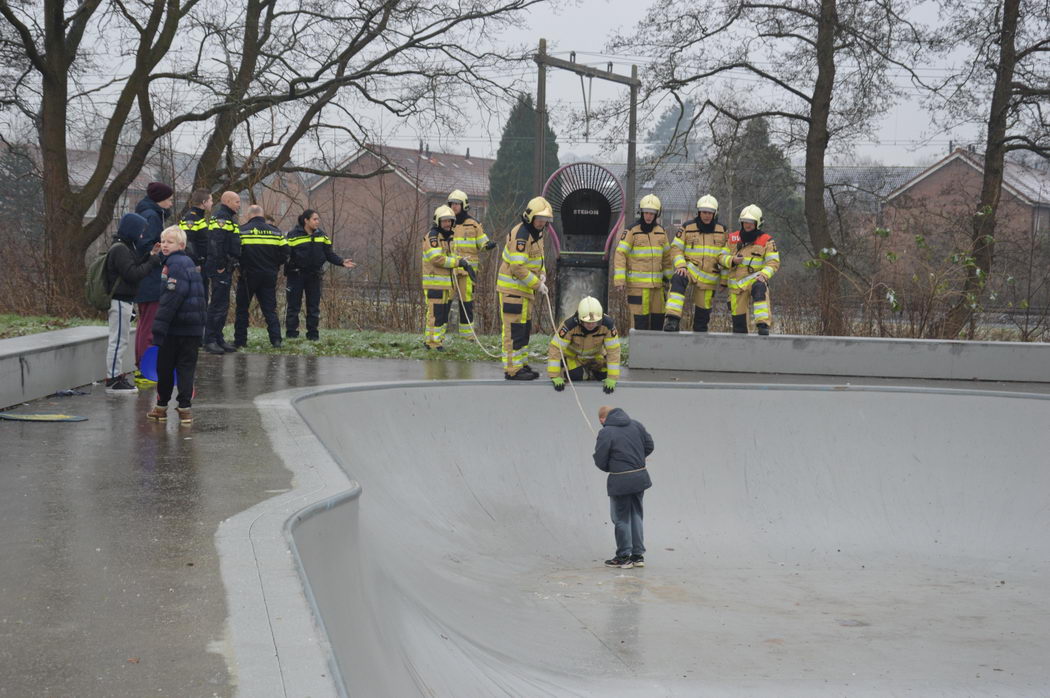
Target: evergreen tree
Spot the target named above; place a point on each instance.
(672, 139)
(510, 179)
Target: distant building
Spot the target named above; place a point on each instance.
(382, 219)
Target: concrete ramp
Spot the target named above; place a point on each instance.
(802, 541)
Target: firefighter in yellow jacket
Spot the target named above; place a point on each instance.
(751, 262)
(439, 265)
(697, 248)
(643, 262)
(468, 239)
(521, 277)
(586, 342)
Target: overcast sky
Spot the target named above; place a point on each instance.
(904, 135)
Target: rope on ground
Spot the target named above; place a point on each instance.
(470, 320)
(565, 364)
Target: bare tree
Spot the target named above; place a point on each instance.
(1006, 86)
(247, 81)
(817, 69)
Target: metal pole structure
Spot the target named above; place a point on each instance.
(632, 143)
(541, 120)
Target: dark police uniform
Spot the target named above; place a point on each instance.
(263, 251)
(308, 253)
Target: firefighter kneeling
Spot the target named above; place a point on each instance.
(697, 248)
(586, 342)
(751, 263)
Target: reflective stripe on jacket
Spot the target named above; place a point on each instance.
(641, 259)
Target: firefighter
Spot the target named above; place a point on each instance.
(263, 251)
(468, 239)
(643, 261)
(308, 250)
(587, 343)
(439, 266)
(521, 276)
(697, 248)
(751, 262)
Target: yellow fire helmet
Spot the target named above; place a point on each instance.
(589, 310)
(459, 197)
(707, 203)
(649, 202)
(443, 212)
(752, 213)
(538, 207)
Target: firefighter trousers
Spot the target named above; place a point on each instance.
(516, 331)
(752, 302)
(439, 302)
(647, 307)
(465, 294)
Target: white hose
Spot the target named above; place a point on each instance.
(565, 365)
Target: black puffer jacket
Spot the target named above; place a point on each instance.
(622, 446)
(182, 309)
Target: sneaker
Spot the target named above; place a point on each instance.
(158, 414)
(521, 375)
(638, 560)
(143, 382)
(120, 386)
(185, 415)
(621, 562)
(213, 348)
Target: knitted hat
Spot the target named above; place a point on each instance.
(158, 191)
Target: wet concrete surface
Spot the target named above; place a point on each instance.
(109, 575)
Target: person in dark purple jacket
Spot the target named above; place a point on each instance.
(178, 326)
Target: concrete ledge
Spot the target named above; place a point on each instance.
(40, 364)
(841, 356)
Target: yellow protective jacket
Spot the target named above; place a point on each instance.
(522, 262)
(643, 259)
(700, 251)
(438, 260)
(468, 239)
(583, 346)
(760, 258)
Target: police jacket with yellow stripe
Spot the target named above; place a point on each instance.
(196, 223)
(263, 247)
(522, 261)
(224, 240)
(583, 345)
(468, 239)
(643, 257)
(438, 260)
(761, 259)
(308, 252)
(698, 247)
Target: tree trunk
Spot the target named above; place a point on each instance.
(830, 296)
(982, 242)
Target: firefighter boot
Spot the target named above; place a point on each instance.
(656, 321)
(740, 324)
(641, 322)
(671, 323)
(701, 319)
(763, 328)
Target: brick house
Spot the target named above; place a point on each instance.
(380, 220)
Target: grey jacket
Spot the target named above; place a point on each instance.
(622, 446)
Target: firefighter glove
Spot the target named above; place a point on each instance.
(490, 245)
(559, 384)
(608, 385)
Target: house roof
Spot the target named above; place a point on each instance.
(678, 184)
(1028, 184)
(431, 172)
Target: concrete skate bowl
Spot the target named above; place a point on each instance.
(802, 541)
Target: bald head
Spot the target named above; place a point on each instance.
(231, 200)
(604, 411)
(254, 211)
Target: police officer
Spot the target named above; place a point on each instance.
(224, 250)
(308, 250)
(439, 265)
(263, 251)
(468, 239)
(586, 342)
(697, 248)
(642, 262)
(521, 276)
(752, 261)
(195, 223)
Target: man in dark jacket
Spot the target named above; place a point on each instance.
(224, 249)
(155, 208)
(263, 252)
(309, 248)
(178, 327)
(124, 270)
(622, 446)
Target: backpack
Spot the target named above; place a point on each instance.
(96, 287)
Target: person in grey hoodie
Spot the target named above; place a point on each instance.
(623, 444)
